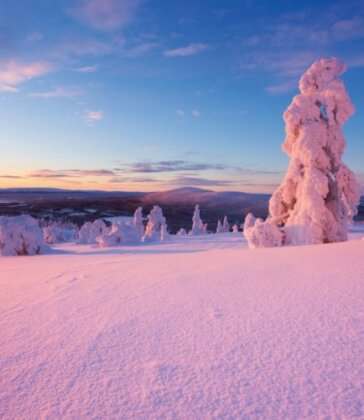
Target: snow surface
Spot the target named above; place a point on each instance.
(199, 327)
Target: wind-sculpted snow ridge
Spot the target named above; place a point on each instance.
(196, 328)
(20, 235)
(319, 194)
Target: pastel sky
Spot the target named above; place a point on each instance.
(151, 95)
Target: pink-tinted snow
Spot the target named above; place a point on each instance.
(199, 327)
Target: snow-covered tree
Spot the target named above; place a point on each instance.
(155, 222)
(164, 233)
(319, 194)
(182, 232)
(138, 221)
(261, 234)
(58, 232)
(235, 228)
(197, 224)
(219, 228)
(20, 235)
(120, 233)
(225, 225)
(92, 230)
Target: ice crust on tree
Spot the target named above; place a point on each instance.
(90, 231)
(319, 194)
(153, 230)
(20, 235)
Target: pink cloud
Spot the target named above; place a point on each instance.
(12, 73)
(106, 14)
(92, 116)
(190, 49)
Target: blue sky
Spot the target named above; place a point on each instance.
(142, 95)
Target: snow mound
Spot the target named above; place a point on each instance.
(120, 234)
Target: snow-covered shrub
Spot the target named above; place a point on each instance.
(198, 226)
(261, 234)
(319, 194)
(120, 233)
(20, 235)
(225, 225)
(181, 232)
(90, 231)
(138, 222)
(235, 228)
(155, 222)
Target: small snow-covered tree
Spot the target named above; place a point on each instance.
(219, 228)
(155, 222)
(225, 225)
(120, 233)
(20, 235)
(197, 223)
(181, 232)
(138, 221)
(58, 232)
(261, 234)
(90, 231)
(235, 228)
(319, 194)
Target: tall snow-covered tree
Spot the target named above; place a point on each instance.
(197, 223)
(319, 194)
(225, 225)
(154, 227)
(138, 221)
(219, 228)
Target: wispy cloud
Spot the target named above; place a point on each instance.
(186, 181)
(13, 73)
(83, 47)
(11, 176)
(106, 14)
(170, 166)
(34, 37)
(69, 173)
(191, 49)
(195, 113)
(86, 69)
(180, 113)
(92, 116)
(59, 92)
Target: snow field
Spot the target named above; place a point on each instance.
(196, 328)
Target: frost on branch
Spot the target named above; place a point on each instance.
(20, 235)
(153, 231)
(319, 194)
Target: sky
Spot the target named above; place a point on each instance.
(141, 95)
